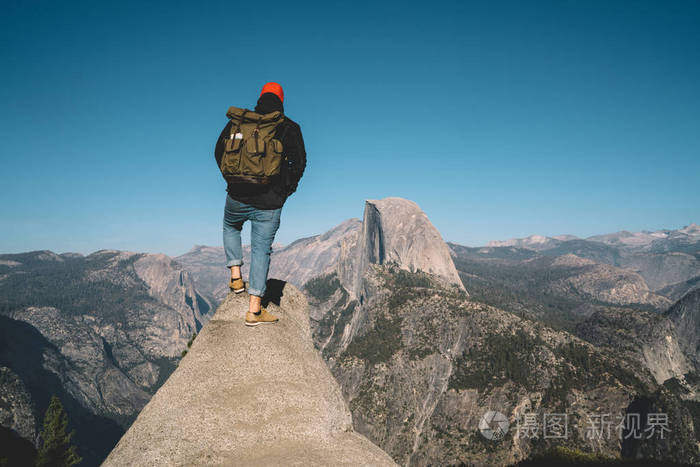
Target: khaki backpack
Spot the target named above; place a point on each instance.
(251, 154)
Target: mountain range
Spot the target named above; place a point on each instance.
(102, 332)
(423, 336)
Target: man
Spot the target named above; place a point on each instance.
(261, 205)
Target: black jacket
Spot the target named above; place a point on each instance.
(294, 153)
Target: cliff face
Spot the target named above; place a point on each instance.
(79, 357)
(17, 409)
(685, 314)
(249, 396)
(396, 231)
(169, 284)
(647, 337)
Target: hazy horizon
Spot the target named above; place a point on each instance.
(246, 242)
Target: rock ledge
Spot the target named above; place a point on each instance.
(249, 396)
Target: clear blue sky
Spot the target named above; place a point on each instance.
(500, 119)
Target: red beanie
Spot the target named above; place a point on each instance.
(274, 88)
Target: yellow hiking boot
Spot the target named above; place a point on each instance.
(237, 285)
(252, 319)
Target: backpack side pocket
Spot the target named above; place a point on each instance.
(273, 157)
(231, 159)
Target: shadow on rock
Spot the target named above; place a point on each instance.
(273, 292)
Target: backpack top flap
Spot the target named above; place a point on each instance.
(235, 114)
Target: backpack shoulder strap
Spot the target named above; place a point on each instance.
(282, 122)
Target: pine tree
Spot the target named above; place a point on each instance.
(56, 450)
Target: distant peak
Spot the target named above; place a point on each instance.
(394, 202)
(531, 242)
(197, 248)
(396, 230)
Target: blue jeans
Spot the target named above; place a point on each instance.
(264, 225)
